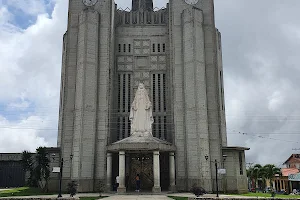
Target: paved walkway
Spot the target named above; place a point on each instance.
(138, 197)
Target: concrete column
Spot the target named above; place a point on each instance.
(280, 185)
(122, 188)
(172, 171)
(156, 172)
(108, 171)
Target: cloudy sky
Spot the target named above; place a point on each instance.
(260, 55)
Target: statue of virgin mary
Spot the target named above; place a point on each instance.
(141, 113)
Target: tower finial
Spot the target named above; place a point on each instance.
(142, 5)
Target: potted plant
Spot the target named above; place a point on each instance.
(72, 188)
(197, 191)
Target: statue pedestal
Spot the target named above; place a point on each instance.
(121, 190)
(140, 134)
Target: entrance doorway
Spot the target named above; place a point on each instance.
(142, 164)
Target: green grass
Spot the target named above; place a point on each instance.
(178, 198)
(269, 195)
(22, 191)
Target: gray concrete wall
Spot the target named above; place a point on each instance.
(235, 181)
(202, 126)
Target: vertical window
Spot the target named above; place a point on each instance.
(153, 92)
(241, 163)
(129, 48)
(118, 127)
(129, 128)
(154, 126)
(129, 91)
(159, 127)
(124, 47)
(158, 47)
(164, 92)
(119, 92)
(123, 128)
(165, 127)
(124, 95)
(164, 47)
(159, 93)
(153, 47)
(119, 47)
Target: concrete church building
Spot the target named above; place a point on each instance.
(176, 53)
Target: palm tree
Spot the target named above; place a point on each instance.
(251, 177)
(257, 173)
(270, 171)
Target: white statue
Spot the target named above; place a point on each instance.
(141, 113)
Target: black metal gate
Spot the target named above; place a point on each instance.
(11, 174)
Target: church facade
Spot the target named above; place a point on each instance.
(176, 53)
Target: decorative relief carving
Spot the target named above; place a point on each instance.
(153, 58)
(154, 66)
(162, 58)
(142, 47)
(137, 51)
(146, 43)
(146, 75)
(146, 51)
(162, 67)
(125, 63)
(137, 43)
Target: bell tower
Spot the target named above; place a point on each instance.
(142, 5)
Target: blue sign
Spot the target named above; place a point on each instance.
(294, 177)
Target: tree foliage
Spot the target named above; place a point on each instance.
(37, 168)
(267, 172)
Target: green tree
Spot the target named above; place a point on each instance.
(257, 173)
(42, 170)
(251, 177)
(28, 167)
(37, 167)
(27, 161)
(270, 171)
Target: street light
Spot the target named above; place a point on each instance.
(60, 173)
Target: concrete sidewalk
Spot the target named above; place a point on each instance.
(138, 197)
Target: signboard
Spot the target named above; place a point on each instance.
(56, 169)
(294, 177)
(221, 171)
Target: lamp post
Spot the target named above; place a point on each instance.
(60, 176)
(60, 173)
(216, 167)
(217, 185)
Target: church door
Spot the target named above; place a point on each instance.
(141, 164)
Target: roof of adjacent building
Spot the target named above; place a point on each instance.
(289, 171)
(236, 148)
(294, 157)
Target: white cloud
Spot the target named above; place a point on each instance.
(16, 137)
(30, 70)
